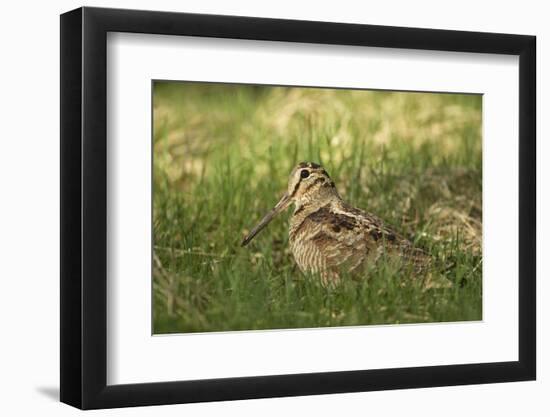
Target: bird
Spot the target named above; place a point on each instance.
(330, 238)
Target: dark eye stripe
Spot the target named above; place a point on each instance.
(299, 182)
(295, 189)
(319, 180)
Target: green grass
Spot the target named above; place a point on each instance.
(222, 155)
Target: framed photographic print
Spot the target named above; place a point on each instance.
(257, 207)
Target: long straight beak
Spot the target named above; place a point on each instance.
(283, 203)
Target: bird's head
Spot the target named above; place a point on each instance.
(308, 184)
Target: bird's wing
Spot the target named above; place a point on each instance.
(349, 237)
(394, 243)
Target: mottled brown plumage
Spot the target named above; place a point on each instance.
(327, 236)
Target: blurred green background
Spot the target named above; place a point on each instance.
(222, 156)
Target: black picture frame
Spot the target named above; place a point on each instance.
(84, 207)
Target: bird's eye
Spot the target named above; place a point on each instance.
(304, 173)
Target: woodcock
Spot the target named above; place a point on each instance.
(329, 237)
